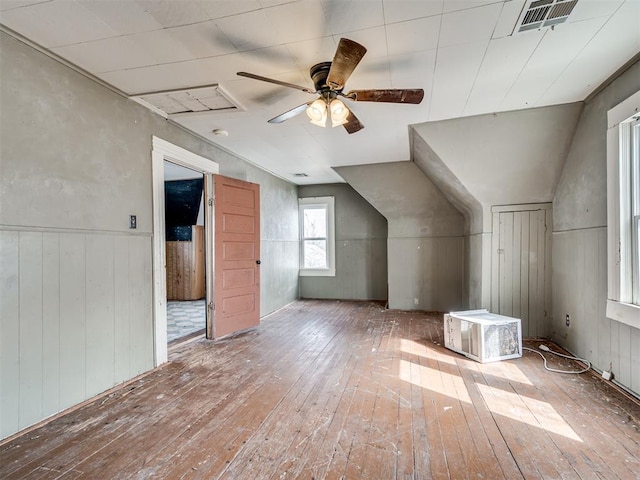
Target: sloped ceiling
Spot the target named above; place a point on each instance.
(497, 159)
(411, 203)
(461, 52)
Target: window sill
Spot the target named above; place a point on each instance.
(319, 272)
(626, 313)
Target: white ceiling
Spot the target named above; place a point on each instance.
(461, 52)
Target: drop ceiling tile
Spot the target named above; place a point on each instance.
(504, 60)
(401, 10)
(614, 44)
(302, 20)
(456, 70)
(163, 77)
(170, 13)
(117, 53)
(413, 70)
(472, 25)
(457, 5)
(413, 35)
(509, 16)
(586, 9)
(11, 4)
(55, 24)
(556, 51)
(351, 15)
(123, 16)
(203, 39)
(225, 8)
(247, 31)
(307, 53)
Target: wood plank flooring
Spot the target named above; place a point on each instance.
(340, 390)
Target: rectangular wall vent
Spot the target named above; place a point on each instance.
(540, 14)
(209, 98)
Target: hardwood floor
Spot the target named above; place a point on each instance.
(340, 390)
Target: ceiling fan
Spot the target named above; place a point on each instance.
(329, 79)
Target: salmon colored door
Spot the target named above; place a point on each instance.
(237, 256)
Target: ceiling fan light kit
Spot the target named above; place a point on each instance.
(329, 79)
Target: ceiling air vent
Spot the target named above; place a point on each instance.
(544, 14)
(209, 98)
(300, 175)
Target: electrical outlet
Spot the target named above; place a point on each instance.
(567, 320)
(607, 375)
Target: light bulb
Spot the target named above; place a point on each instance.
(339, 113)
(317, 112)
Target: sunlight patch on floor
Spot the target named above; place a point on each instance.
(528, 410)
(432, 379)
(415, 348)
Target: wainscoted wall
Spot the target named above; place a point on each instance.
(75, 313)
(580, 245)
(426, 243)
(76, 284)
(361, 248)
(580, 291)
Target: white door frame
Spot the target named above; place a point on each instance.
(164, 151)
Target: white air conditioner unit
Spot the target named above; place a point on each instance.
(483, 336)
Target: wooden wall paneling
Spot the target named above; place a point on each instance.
(122, 317)
(100, 313)
(495, 264)
(140, 307)
(591, 299)
(635, 360)
(9, 332)
(30, 328)
(169, 268)
(197, 247)
(548, 275)
(603, 329)
(51, 323)
(623, 374)
(506, 259)
(543, 265)
(614, 347)
(534, 266)
(72, 319)
(579, 318)
(516, 279)
(525, 245)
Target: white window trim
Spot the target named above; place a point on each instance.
(328, 202)
(619, 307)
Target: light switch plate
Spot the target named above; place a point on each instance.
(133, 222)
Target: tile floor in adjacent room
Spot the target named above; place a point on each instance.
(185, 317)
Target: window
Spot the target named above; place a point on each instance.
(623, 211)
(317, 237)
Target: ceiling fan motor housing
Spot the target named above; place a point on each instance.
(319, 73)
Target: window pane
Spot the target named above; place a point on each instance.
(315, 222)
(315, 254)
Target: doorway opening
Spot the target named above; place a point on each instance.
(185, 253)
(166, 155)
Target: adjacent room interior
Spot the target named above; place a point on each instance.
(230, 233)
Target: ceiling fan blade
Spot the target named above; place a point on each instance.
(353, 125)
(289, 113)
(347, 57)
(277, 82)
(409, 95)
